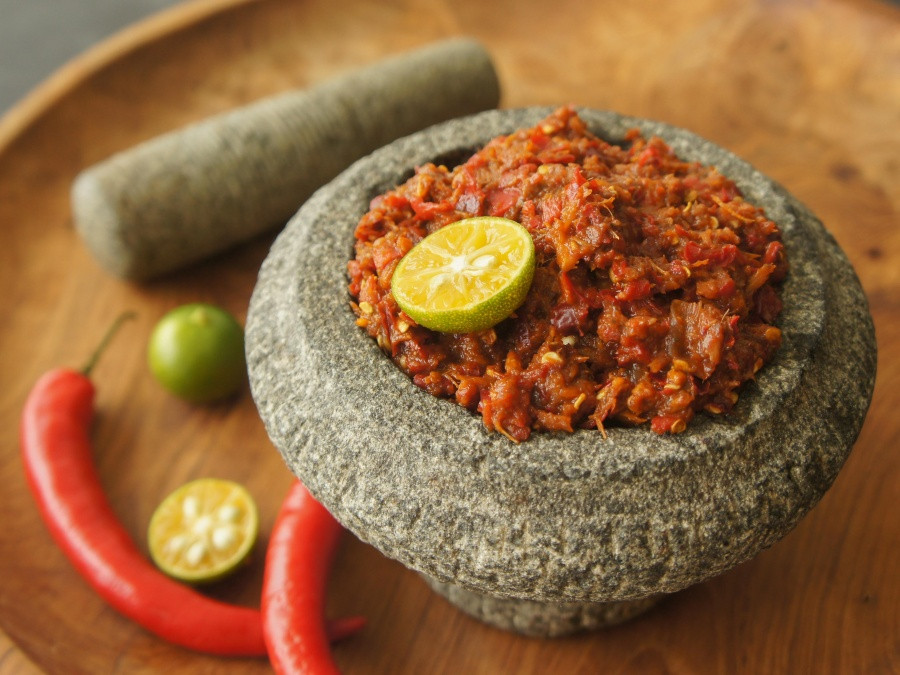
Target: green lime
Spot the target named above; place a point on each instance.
(466, 276)
(203, 530)
(196, 351)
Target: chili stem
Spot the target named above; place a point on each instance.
(110, 332)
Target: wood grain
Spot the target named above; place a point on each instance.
(806, 90)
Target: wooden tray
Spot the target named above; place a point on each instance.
(809, 92)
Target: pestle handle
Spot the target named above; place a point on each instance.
(186, 195)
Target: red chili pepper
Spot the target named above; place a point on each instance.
(303, 543)
(56, 451)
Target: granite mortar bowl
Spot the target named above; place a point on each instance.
(563, 532)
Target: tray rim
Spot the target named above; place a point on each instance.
(75, 72)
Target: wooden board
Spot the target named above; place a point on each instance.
(807, 90)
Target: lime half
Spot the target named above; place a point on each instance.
(466, 276)
(203, 530)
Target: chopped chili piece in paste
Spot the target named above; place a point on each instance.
(654, 296)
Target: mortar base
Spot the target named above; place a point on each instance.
(540, 619)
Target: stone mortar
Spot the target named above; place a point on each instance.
(580, 530)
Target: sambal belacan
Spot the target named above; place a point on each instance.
(654, 295)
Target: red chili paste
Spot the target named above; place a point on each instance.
(654, 295)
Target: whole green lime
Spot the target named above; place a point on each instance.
(196, 351)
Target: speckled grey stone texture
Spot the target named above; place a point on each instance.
(559, 518)
(541, 619)
(183, 196)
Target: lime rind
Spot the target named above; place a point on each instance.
(196, 351)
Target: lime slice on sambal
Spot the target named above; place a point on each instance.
(466, 276)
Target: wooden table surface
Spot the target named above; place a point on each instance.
(806, 90)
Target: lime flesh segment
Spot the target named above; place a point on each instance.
(467, 276)
(204, 530)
